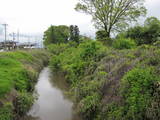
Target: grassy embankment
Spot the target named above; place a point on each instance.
(111, 84)
(18, 73)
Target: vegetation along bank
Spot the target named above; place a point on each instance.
(18, 74)
(111, 78)
(110, 84)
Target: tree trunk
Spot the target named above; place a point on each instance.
(107, 32)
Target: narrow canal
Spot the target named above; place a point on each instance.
(52, 104)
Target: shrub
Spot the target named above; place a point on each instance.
(157, 43)
(75, 60)
(23, 103)
(6, 112)
(111, 112)
(103, 37)
(124, 43)
(88, 106)
(137, 91)
(56, 49)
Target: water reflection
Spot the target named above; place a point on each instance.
(52, 104)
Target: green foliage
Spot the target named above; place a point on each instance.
(111, 112)
(157, 43)
(88, 88)
(74, 34)
(146, 34)
(75, 60)
(78, 62)
(56, 34)
(6, 112)
(101, 35)
(7, 67)
(18, 69)
(57, 49)
(110, 84)
(88, 106)
(23, 103)
(137, 92)
(124, 43)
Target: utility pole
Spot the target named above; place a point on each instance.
(5, 27)
(13, 35)
(17, 35)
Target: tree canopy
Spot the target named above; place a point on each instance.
(56, 34)
(148, 33)
(112, 15)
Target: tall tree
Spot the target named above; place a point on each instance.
(74, 33)
(112, 15)
(76, 29)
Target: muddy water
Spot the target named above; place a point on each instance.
(52, 104)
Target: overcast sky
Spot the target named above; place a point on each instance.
(34, 16)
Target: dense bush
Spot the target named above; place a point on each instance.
(6, 112)
(123, 43)
(23, 103)
(57, 49)
(88, 106)
(101, 36)
(137, 89)
(145, 34)
(75, 60)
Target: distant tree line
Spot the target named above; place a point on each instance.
(148, 33)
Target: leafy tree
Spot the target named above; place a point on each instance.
(152, 30)
(76, 29)
(112, 15)
(56, 34)
(148, 33)
(74, 33)
(136, 33)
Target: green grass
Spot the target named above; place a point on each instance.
(19, 71)
(15, 68)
